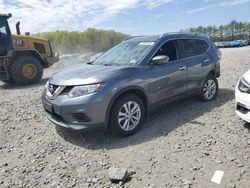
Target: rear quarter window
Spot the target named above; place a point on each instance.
(192, 47)
(203, 45)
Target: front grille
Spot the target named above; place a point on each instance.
(52, 88)
(241, 108)
(55, 90)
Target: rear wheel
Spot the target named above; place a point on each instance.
(210, 89)
(127, 115)
(26, 70)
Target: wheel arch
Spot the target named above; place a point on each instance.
(130, 90)
(212, 73)
(14, 54)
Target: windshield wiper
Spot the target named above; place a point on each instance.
(90, 62)
(107, 64)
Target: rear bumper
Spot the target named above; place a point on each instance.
(218, 70)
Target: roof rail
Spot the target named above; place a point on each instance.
(187, 33)
(133, 37)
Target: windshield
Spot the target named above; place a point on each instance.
(126, 53)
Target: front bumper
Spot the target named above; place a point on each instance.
(82, 113)
(242, 106)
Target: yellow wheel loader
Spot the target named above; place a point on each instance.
(23, 57)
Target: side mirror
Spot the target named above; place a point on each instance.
(160, 59)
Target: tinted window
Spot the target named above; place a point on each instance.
(40, 48)
(3, 28)
(192, 47)
(203, 45)
(169, 49)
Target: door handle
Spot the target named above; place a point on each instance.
(182, 68)
(207, 60)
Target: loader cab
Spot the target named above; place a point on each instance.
(5, 35)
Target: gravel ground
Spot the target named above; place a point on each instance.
(181, 145)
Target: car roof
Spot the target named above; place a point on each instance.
(154, 38)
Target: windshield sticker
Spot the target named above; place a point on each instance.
(146, 43)
(133, 61)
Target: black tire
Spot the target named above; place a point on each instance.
(17, 74)
(118, 107)
(210, 80)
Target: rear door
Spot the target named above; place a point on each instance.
(169, 79)
(193, 52)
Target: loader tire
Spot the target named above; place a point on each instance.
(26, 70)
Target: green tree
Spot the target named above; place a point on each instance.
(91, 40)
(231, 31)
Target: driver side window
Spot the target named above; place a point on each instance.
(169, 49)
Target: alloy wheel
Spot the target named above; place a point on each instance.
(209, 89)
(129, 115)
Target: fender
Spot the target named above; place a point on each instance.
(27, 52)
(133, 89)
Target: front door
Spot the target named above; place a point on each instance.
(170, 79)
(5, 37)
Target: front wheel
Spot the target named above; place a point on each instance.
(127, 115)
(210, 89)
(26, 70)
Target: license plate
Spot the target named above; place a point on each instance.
(48, 106)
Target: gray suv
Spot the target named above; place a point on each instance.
(129, 81)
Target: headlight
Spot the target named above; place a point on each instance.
(78, 91)
(244, 86)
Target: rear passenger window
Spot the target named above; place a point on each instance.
(168, 49)
(192, 47)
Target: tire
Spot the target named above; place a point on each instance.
(22, 75)
(210, 89)
(135, 123)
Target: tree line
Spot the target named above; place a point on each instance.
(98, 40)
(229, 32)
(91, 40)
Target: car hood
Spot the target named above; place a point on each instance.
(247, 76)
(84, 74)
